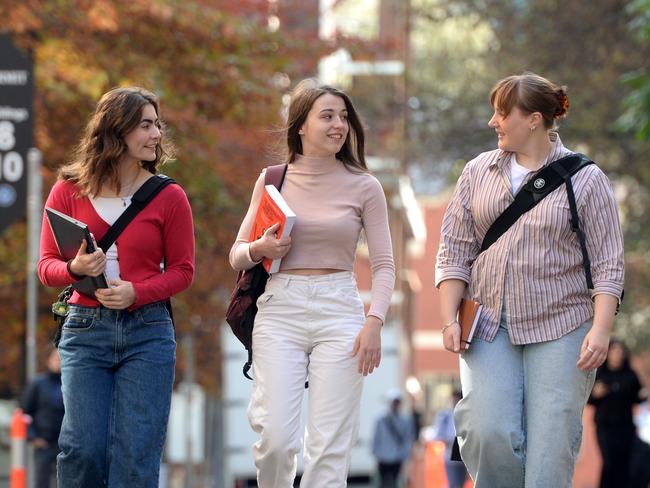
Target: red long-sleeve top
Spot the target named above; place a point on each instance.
(164, 229)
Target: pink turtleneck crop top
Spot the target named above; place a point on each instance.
(332, 205)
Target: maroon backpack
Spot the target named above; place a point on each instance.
(242, 307)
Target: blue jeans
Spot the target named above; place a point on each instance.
(519, 422)
(117, 371)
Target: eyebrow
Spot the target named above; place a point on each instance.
(151, 121)
(332, 110)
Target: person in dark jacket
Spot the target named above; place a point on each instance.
(616, 390)
(43, 401)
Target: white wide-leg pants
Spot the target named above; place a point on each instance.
(305, 329)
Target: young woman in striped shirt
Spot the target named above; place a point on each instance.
(542, 332)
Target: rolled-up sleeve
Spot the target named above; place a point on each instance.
(458, 244)
(601, 225)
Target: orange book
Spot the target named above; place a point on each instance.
(469, 312)
(273, 209)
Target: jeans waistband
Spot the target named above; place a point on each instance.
(339, 276)
(102, 311)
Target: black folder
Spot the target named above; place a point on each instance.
(68, 234)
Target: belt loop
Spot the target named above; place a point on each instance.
(287, 282)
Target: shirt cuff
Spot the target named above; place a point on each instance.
(452, 273)
(607, 288)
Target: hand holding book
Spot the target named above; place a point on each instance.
(269, 235)
(269, 245)
(463, 328)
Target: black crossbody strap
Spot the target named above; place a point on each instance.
(539, 186)
(139, 201)
(575, 224)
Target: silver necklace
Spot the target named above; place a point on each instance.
(128, 193)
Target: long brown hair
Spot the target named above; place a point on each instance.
(302, 99)
(531, 93)
(96, 157)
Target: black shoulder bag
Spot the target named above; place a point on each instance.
(242, 306)
(139, 201)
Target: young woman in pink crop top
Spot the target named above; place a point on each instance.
(311, 325)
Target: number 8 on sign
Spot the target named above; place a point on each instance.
(7, 138)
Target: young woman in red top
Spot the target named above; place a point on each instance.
(118, 347)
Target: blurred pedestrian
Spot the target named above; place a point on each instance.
(311, 324)
(542, 331)
(118, 347)
(43, 402)
(444, 430)
(392, 442)
(615, 393)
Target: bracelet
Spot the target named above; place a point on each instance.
(442, 331)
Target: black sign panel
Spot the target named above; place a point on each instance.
(16, 129)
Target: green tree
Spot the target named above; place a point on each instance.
(587, 46)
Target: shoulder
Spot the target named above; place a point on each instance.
(173, 192)
(63, 188)
(484, 160)
(367, 182)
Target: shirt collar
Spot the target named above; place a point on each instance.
(557, 151)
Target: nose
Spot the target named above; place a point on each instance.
(157, 133)
(492, 123)
(339, 121)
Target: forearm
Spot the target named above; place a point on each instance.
(604, 312)
(451, 292)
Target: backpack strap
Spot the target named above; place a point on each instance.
(139, 201)
(545, 181)
(274, 176)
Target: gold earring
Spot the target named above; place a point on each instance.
(532, 128)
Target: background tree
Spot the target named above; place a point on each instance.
(588, 46)
(219, 68)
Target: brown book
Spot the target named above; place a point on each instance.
(468, 315)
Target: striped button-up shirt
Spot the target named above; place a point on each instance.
(535, 268)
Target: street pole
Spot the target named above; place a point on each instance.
(34, 212)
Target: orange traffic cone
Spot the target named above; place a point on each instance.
(19, 422)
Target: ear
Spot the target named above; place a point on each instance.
(302, 131)
(536, 119)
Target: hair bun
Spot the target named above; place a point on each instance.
(563, 103)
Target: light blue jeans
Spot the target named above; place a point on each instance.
(519, 422)
(117, 371)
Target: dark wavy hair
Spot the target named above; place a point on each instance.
(96, 158)
(302, 99)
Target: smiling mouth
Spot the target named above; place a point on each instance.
(335, 136)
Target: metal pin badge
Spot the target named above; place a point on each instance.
(539, 183)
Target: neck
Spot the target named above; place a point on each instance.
(128, 171)
(533, 155)
(315, 164)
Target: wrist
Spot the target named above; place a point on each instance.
(71, 271)
(449, 324)
(252, 253)
(372, 320)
